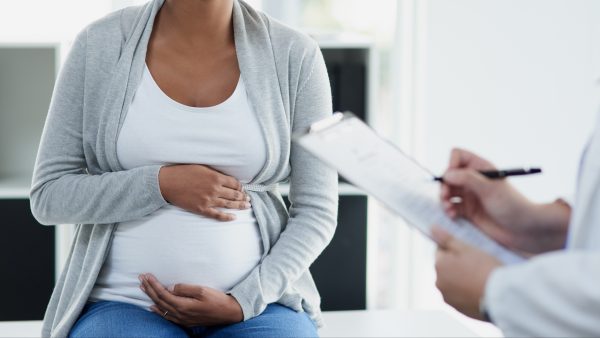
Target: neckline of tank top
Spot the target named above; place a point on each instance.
(176, 104)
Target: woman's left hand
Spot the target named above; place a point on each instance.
(462, 272)
(191, 305)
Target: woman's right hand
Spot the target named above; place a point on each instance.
(495, 206)
(201, 190)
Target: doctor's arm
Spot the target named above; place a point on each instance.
(554, 294)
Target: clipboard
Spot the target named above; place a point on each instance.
(384, 171)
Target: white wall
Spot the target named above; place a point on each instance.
(515, 80)
(27, 21)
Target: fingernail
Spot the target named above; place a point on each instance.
(455, 200)
(247, 198)
(171, 288)
(247, 205)
(142, 287)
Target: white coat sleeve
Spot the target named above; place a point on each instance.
(555, 294)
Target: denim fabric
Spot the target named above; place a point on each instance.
(117, 319)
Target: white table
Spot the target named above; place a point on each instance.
(338, 324)
(20, 329)
(392, 324)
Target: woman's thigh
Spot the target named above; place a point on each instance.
(276, 321)
(116, 319)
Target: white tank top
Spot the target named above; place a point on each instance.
(175, 245)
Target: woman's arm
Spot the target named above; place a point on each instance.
(313, 196)
(551, 295)
(63, 192)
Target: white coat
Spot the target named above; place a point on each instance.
(557, 294)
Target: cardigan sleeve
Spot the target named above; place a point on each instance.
(314, 201)
(62, 190)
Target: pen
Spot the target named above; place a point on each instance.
(499, 174)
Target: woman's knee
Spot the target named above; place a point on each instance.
(115, 319)
(276, 321)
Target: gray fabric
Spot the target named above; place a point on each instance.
(78, 179)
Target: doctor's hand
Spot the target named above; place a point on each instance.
(462, 273)
(202, 190)
(191, 305)
(498, 209)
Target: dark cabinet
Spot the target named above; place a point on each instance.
(340, 272)
(27, 262)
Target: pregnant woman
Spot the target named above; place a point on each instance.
(168, 132)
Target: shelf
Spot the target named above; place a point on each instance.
(15, 188)
(345, 189)
(335, 44)
(342, 40)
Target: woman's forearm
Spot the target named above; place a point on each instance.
(80, 198)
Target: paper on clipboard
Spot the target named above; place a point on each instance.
(382, 170)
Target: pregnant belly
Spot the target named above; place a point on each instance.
(177, 246)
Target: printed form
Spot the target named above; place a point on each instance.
(396, 180)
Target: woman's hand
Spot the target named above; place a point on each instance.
(462, 273)
(498, 209)
(201, 190)
(191, 305)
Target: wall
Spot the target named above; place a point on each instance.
(26, 21)
(514, 80)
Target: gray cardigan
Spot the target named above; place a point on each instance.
(78, 179)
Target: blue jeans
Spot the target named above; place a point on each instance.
(117, 319)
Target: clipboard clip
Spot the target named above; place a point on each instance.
(327, 122)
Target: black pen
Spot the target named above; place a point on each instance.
(499, 174)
